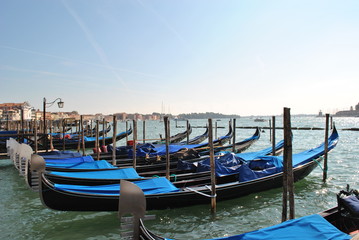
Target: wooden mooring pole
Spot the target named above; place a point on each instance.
(167, 136)
(114, 140)
(63, 134)
(82, 135)
(187, 131)
(234, 136)
(213, 167)
(288, 181)
(325, 168)
(273, 135)
(97, 145)
(134, 157)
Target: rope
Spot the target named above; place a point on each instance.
(175, 177)
(315, 160)
(200, 193)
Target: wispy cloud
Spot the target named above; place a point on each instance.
(73, 62)
(164, 21)
(94, 43)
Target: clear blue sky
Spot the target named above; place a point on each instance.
(246, 57)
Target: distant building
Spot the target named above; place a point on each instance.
(349, 113)
(12, 111)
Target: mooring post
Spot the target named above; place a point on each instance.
(103, 133)
(187, 131)
(167, 136)
(213, 167)
(82, 135)
(230, 125)
(215, 130)
(78, 130)
(134, 147)
(288, 193)
(51, 137)
(325, 168)
(234, 136)
(97, 145)
(114, 140)
(63, 134)
(126, 131)
(270, 130)
(273, 135)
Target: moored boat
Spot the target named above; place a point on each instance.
(264, 174)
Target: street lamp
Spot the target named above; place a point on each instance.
(60, 105)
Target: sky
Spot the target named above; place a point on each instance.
(245, 57)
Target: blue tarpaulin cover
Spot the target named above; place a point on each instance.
(268, 165)
(59, 154)
(262, 165)
(312, 227)
(70, 160)
(101, 164)
(229, 160)
(150, 186)
(123, 173)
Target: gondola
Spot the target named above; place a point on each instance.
(334, 223)
(238, 146)
(198, 139)
(250, 180)
(176, 138)
(90, 142)
(150, 152)
(111, 175)
(77, 135)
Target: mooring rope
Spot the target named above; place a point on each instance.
(201, 193)
(315, 160)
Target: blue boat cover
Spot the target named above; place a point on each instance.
(268, 165)
(123, 173)
(101, 164)
(5, 133)
(59, 154)
(153, 150)
(70, 160)
(312, 227)
(150, 186)
(229, 160)
(249, 169)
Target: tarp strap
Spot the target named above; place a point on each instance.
(201, 193)
(315, 160)
(174, 176)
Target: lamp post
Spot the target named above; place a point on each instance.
(60, 105)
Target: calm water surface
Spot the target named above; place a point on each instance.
(23, 216)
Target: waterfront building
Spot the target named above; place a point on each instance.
(353, 112)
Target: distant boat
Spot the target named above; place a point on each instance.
(259, 120)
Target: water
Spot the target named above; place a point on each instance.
(24, 217)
